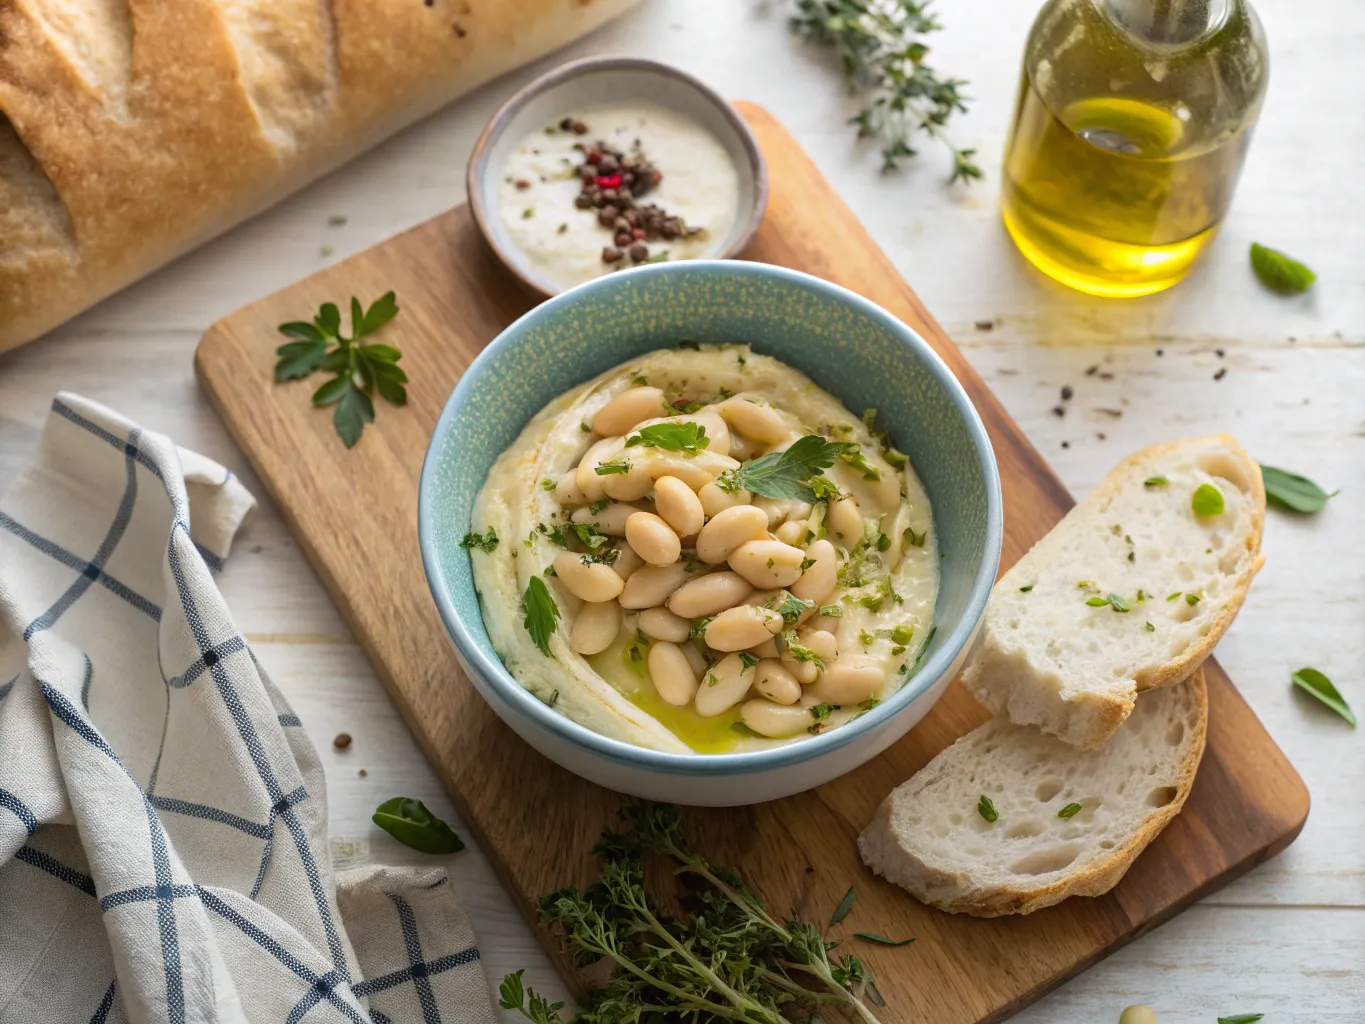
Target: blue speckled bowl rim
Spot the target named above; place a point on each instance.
(525, 704)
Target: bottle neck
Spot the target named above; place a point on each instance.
(1169, 22)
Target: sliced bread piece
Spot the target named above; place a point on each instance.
(930, 837)
(1130, 591)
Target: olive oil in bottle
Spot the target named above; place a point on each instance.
(1132, 122)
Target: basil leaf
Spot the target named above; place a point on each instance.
(1313, 682)
(845, 905)
(1280, 273)
(410, 822)
(1241, 1018)
(1282, 488)
(881, 940)
(1207, 501)
(541, 613)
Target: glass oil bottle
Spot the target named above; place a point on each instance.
(1132, 122)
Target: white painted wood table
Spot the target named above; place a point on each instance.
(1288, 939)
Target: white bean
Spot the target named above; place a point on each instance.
(679, 506)
(651, 585)
(672, 673)
(586, 476)
(632, 485)
(627, 561)
(724, 686)
(774, 721)
(737, 629)
(596, 627)
(754, 421)
(850, 680)
(653, 539)
(715, 501)
(772, 679)
(727, 530)
(782, 510)
(587, 581)
(627, 409)
(823, 644)
(767, 649)
(610, 520)
(709, 595)
(767, 563)
(567, 491)
(817, 582)
(695, 658)
(792, 532)
(805, 672)
(662, 624)
(844, 523)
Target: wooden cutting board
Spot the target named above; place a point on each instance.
(355, 515)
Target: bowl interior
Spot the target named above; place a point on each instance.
(845, 344)
(576, 88)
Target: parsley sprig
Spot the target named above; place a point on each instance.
(720, 956)
(541, 613)
(786, 475)
(359, 370)
(688, 438)
(882, 55)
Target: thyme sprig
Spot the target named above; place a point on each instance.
(722, 958)
(879, 47)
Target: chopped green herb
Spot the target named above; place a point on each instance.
(1149, 627)
(902, 634)
(659, 257)
(986, 808)
(1293, 492)
(832, 611)
(688, 437)
(613, 467)
(792, 608)
(883, 542)
(1191, 599)
(1172, 597)
(1069, 811)
(541, 613)
(583, 426)
(865, 638)
(1155, 481)
(747, 659)
(1025, 590)
(868, 703)
(639, 382)
(820, 712)
(590, 536)
(824, 488)
(845, 905)
(1207, 501)
(1313, 682)
(698, 630)
(528, 213)
(897, 459)
(912, 539)
(881, 940)
(597, 507)
(1097, 602)
(1280, 273)
(485, 543)
(547, 484)
(858, 461)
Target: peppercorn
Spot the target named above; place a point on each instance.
(639, 252)
(623, 239)
(610, 255)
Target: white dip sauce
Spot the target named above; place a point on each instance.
(563, 243)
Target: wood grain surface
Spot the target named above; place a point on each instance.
(354, 514)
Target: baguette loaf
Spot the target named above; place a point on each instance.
(1130, 591)
(133, 130)
(929, 836)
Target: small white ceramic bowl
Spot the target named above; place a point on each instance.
(596, 81)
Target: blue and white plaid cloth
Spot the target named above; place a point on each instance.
(163, 822)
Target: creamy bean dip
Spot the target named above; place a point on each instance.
(704, 551)
(568, 244)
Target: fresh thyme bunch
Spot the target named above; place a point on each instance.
(878, 45)
(723, 958)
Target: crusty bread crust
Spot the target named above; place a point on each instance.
(129, 135)
(953, 891)
(1095, 715)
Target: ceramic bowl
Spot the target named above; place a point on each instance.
(596, 81)
(852, 348)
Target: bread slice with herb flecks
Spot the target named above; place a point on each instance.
(1055, 821)
(1131, 591)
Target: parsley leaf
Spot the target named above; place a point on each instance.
(613, 467)
(541, 613)
(1313, 682)
(360, 370)
(1280, 273)
(485, 544)
(1291, 491)
(689, 437)
(782, 475)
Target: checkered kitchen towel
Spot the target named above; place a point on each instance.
(163, 823)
